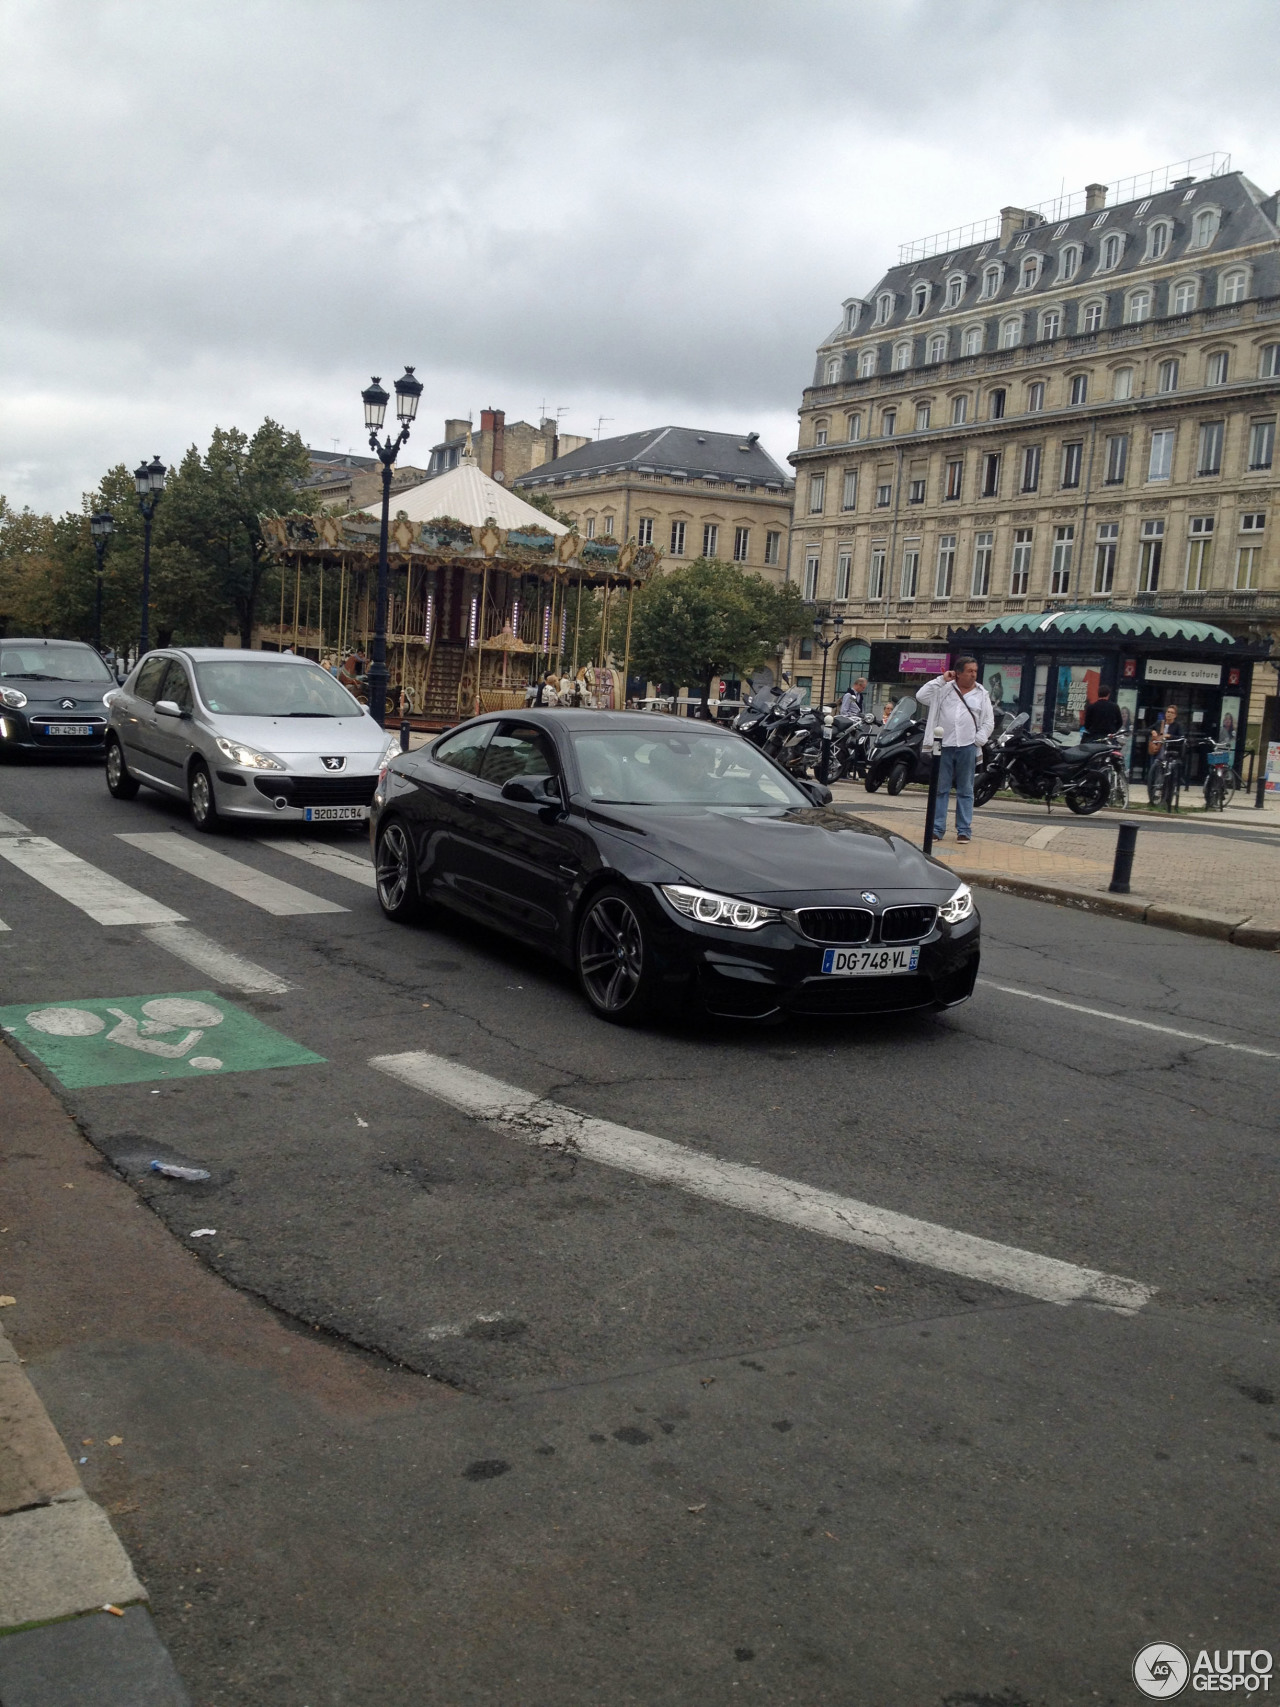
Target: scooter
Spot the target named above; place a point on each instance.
(897, 754)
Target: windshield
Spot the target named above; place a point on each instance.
(902, 713)
(55, 661)
(270, 689)
(792, 698)
(635, 768)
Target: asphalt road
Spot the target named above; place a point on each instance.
(643, 1446)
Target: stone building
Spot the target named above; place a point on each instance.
(341, 480)
(504, 450)
(1072, 404)
(691, 493)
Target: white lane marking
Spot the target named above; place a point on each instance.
(1042, 838)
(1124, 1019)
(332, 860)
(11, 827)
(220, 965)
(255, 887)
(95, 892)
(3, 926)
(524, 1115)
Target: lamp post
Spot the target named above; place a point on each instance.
(148, 477)
(820, 635)
(101, 525)
(408, 391)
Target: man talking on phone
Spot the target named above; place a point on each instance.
(957, 701)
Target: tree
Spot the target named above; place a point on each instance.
(542, 501)
(693, 623)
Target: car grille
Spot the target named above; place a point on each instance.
(906, 924)
(861, 995)
(319, 790)
(835, 924)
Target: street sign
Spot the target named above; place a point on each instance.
(123, 1040)
(1180, 670)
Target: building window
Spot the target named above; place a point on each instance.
(1269, 364)
(1217, 368)
(1184, 296)
(644, 531)
(991, 475)
(1091, 320)
(990, 281)
(973, 341)
(884, 495)
(608, 524)
(591, 527)
(1233, 288)
(1111, 251)
(867, 363)
(1205, 228)
(1069, 264)
(919, 299)
(1160, 466)
(959, 411)
(1248, 567)
(1138, 306)
(1104, 557)
(1072, 457)
(1122, 384)
(820, 434)
(1060, 569)
(995, 405)
(811, 562)
(983, 544)
(1010, 333)
(773, 547)
(915, 492)
(955, 290)
(1030, 273)
(833, 370)
(901, 356)
(741, 544)
(910, 578)
(844, 570)
(1200, 554)
(817, 494)
(875, 575)
(1209, 455)
(849, 496)
(1167, 375)
(945, 572)
(853, 426)
(1117, 459)
(1035, 397)
(884, 308)
(677, 539)
(1262, 444)
(1157, 239)
(1031, 469)
(955, 478)
(888, 423)
(1150, 552)
(1020, 564)
(711, 536)
(1080, 388)
(923, 411)
(1050, 323)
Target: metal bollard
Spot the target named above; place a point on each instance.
(935, 765)
(404, 735)
(1126, 842)
(824, 763)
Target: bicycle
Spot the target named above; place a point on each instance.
(1170, 769)
(1221, 780)
(1155, 778)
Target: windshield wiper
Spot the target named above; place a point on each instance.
(31, 676)
(311, 714)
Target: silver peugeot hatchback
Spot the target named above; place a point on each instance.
(244, 735)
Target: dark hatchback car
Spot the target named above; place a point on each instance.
(665, 860)
(54, 696)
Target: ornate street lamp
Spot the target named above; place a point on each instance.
(408, 391)
(820, 635)
(102, 525)
(148, 478)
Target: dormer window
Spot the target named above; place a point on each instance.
(832, 370)
(1233, 288)
(1029, 277)
(938, 347)
(866, 364)
(884, 307)
(1138, 306)
(901, 356)
(1101, 220)
(1111, 251)
(1069, 263)
(919, 298)
(1158, 234)
(1010, 333)
(955, 290)
(1204, 227)
(1185, 293)
(851, 315)
(990, 281)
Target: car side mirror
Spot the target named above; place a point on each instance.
(819, 793)
(168, 708)
(531, 790)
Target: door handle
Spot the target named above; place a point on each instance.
(465, 798)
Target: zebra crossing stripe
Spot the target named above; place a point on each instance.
(11, 826)
(333, 860)
(228, 970)
(103, 897)
(283, 900)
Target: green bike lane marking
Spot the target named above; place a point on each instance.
(123, 1040)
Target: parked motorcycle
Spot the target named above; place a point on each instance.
(897, 752)
(1038, 767)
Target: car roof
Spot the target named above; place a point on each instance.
(560, 717)
(224, 654)
(42, 640)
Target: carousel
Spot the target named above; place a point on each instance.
(486, 595)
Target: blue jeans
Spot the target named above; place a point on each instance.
(956, 771)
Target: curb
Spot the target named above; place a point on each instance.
(1243, 933)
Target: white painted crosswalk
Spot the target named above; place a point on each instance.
(337, 861)
(104, 898)
(282, 900)
(221, 966)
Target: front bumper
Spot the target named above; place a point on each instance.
(24, 731)
(287, 796)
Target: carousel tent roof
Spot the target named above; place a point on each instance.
(469, 495)
(1097, 619)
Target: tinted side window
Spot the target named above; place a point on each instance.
(177, 687)
(517, 750)
(464, 751)
(150, 676)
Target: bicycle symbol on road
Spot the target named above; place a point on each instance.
(151, 1035)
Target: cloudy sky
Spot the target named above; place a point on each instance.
(216, 210)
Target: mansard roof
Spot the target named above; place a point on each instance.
(688, 451)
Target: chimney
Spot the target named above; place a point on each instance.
(456, 429)
(1095, 197)
(493, 422)
(1013, 219)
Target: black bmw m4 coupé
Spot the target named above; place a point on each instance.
(667, 860)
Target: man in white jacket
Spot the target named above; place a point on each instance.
(963, 708)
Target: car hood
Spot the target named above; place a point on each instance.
(778, 854)
(52, 693)
(303, 735)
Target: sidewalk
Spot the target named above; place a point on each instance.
(1216, 875)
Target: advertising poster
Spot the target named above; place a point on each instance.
(1077, 689)
(1273, 770)
(1229, 721)
(1127, 701)
(1004, 683)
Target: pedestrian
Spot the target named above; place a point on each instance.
(1103, 717)
(545, 693)
(963, 707)
(851, 699)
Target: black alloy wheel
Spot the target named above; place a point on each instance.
(204, 808)
(1089, 795)
(985, 787)
(899, 775)
(614, 959)
(871, 782)
(120, 785)
(395, 874)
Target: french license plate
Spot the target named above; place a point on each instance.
(68, 729)
(330, 814)
(869, 962)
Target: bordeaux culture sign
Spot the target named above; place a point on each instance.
(1175, 670)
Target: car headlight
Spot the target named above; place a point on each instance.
(249, 757)
(958, 907)
(108, 698)
(13, 697)
(709, 909)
